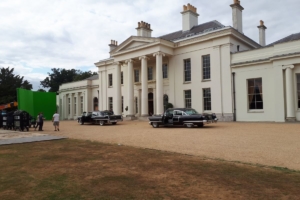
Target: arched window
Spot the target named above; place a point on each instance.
(95, 103)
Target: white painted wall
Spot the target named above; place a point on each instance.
(220, 82)
(242, 45)
(85, 88)
(297, 71)
(219, 49)
(266, 63)
(268, 113)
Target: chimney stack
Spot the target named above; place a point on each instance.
(113, 44)
(143, 29)
(189, 17)
(262, 33)
(237, 16)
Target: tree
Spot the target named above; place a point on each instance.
(9, 82)
(60, 76)
(169, 105)
(41, 90)
(84, 75)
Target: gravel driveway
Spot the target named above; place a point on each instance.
(272, 144)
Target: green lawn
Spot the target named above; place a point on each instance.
(76, 169)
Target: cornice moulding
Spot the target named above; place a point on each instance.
(266, 60)
(78, 88)
(104, 63)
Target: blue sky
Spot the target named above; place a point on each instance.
(39, 35)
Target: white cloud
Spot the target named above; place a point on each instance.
(39, 35)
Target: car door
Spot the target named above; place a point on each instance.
(177, 114)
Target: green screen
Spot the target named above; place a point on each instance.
(36, 102)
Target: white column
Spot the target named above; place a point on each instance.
(144, 100)
(60, 102)
(100, 100)
(154, 101)
(139, 103)
(130, 88)
(290, 105)
(118, 96)
(72, 106)
(67, 106)
(64, 107)
(85, 108)
(78, 113)
(89, 99)
(159, 84)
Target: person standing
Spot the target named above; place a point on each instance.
(112, 112)
(55, 120)
(41, 119)
(37, 124)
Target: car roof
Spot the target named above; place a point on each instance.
(101, 111)
(182, 109)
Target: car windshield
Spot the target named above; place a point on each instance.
(107, 112)
(87, 113)
(191, 112)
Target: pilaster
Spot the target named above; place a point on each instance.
(289, 92)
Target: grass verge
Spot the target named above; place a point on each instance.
(76, 169)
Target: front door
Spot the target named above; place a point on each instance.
(95, 103)
(150, 104)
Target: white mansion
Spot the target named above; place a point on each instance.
(209, 67)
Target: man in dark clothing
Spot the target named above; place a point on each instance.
(41, 120)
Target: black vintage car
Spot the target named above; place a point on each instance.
(99, 117)
(182, 117)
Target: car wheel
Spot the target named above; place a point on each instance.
(200, 125)
(81, 122)
(155, 125)
(189, 125)
(101, 123)
(114, 123)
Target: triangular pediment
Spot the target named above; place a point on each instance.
(133, 42)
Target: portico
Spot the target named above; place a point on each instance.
(140, 84)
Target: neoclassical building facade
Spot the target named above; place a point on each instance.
(77, 97)
(209, 67)
(189, 68)
(268, 82)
